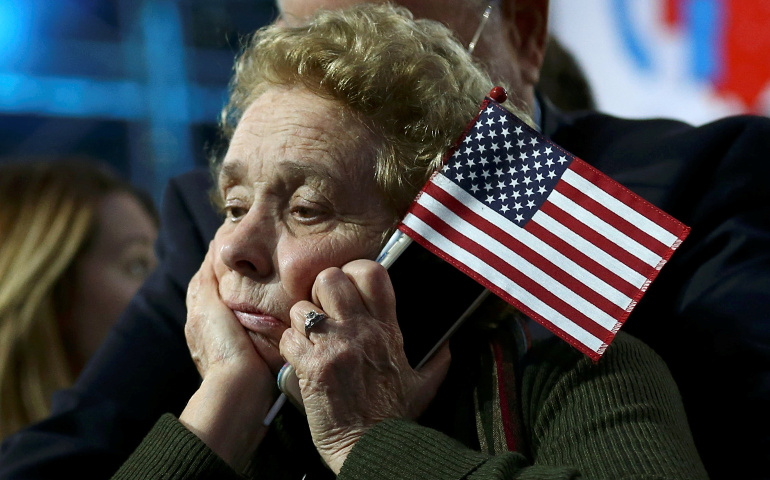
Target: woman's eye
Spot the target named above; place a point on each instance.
(235, 212)
(139, 265)
(308, 213)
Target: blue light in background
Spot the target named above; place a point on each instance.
(704, 27)
(15, 29)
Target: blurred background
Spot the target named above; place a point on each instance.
(139, 83)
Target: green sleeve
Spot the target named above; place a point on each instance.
(171, 452)
(618, 418)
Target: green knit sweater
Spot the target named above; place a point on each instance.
(621, 417)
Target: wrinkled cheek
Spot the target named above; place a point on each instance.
(297, 270)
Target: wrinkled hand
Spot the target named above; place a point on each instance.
(216, 339)
(352, 369)
(237, 389)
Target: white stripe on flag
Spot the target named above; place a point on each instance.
(589, 249)
(586, 247)
(503, 282)
(605, 229)
(557, 258)
(623, 210)
(511, 258)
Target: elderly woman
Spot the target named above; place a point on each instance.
(333, 128)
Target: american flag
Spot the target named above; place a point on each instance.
(559, 240)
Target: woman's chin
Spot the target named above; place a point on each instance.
(268, 350)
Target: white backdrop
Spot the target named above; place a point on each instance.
(640, 65)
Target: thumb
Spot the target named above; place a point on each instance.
(432, 375)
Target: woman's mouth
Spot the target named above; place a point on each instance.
(256, 321)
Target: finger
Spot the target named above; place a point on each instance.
(432, 376)
(295, 348)
(374, 288)
(337, 295)
(306, 317)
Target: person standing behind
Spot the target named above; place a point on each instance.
(76, 242)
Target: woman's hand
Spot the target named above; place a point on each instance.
(227, 411)
(352, 369)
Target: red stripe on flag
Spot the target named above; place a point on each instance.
(591, 235)
(612, 218)
(632, 200)
(532, 285)
(594, 355)
(524, 251)
(602, 272)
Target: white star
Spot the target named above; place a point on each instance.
(539, 178)
(562, 159)
(459, 177)
(551, 174)
(523, 156)
(490, 121)
(474, 188)
(519, 218)
(542, 189)
(531, 203)
(501, 119)
(499, 172)
(480, 136)
(514, 182)
(548, 151)
(507, 145)
(516, 194)
(528, 192)
(472, 176)
(468, 150)
(488, 186)
(470, 163)
(517, 206)
(483, 161)
(492, 134)
(533, 141)
(494, 147)
(525, 168)
(536, 153)
(490, 199)
(549, 163)
(517, 130)
(467, 139)
(482, 148)
(500, 185)
(503, 197)
(497, 159)
(484, 174)
(505, 132)
(512, 170)
(520, 143)
(527, 180)
(537, 165)
(504, 208)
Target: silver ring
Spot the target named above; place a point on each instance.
(313, 318)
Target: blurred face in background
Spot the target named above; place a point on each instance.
(511, 47)
(108, 273)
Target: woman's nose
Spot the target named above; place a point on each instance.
(246, 249)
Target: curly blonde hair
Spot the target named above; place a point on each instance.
(409, 81)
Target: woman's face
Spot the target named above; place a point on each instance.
(299, 193)
(108, 274)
